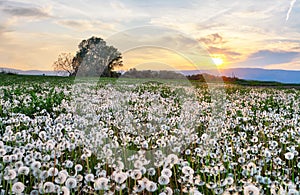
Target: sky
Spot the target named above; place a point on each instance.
(234, 33)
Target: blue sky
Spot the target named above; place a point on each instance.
(248, 33)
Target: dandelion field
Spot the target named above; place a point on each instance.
(113, 136)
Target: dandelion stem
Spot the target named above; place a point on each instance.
(10, 187)
(174, 168)
(87, 164)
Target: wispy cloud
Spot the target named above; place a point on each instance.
(214, 38)
(290, 9)
(30, 12)
(236, 31)
(227, 51)
(85, 25)
(3, 29)
(266, 57)
(215, 45)
(24, 10)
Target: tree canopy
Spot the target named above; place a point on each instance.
(94, 58)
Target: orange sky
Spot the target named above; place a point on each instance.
(262, 34)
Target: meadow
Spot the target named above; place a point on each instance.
(125, 136)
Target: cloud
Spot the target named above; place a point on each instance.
(23, 10)
(215, 45)
(293, 65)
(290, 9)
(85, 25)
(4, 31)
(227, 27)
(75, 23)
(267, 57)
(27, 12)
(226, 51)
(215, 38)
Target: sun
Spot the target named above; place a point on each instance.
(218, 61)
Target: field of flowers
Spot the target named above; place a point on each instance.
(126, 137)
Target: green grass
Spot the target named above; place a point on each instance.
(48, 92)
(8, 79)
(264, 83)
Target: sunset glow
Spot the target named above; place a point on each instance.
(34, 33)
(218, 61)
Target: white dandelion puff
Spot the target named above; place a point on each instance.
(120, 177)
(65, 190)
(101, 183)
(187, 170)
(251, 189)
(23, 170)
(49, 187)
(89, 177)
(163, 180)
(167, 172)
(151, 186)
(61, 178)
(52, 171)
(18, 187)
(289, 155)
(11, 174)
(71, 183)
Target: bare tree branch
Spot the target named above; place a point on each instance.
(64, 63)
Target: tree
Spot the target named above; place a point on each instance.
(65, 63)
(96, 58)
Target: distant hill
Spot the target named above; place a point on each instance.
(33, 72)
(283, 76)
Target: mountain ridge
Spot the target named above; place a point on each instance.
(260, 74)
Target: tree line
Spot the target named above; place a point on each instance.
(95, 58)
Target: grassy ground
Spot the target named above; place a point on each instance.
(78, 137)
(7, 79)
(254, 83)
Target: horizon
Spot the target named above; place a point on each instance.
(252, 74)
(232, 34)
(224, 68)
